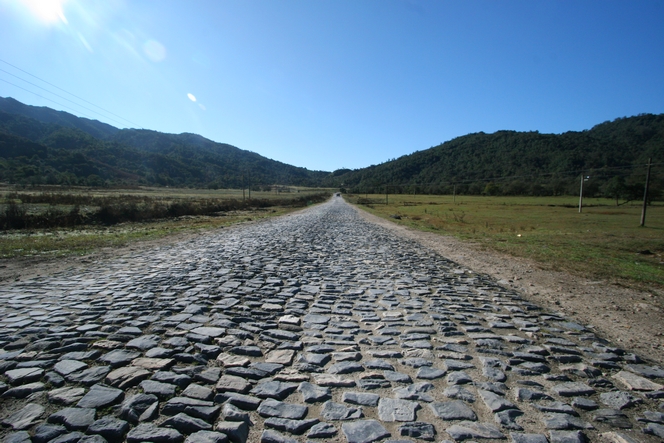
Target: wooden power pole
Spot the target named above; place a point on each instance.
(645, 196)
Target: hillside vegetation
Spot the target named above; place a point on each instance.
(43, 146)
(613, 154)
(39, 145)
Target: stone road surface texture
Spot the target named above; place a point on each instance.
(317, 327)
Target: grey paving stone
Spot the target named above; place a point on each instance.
(360, 398)
(274, 389)
(133, 408)
(161, 390)
(119, 357)
(322, 430)
(419, 430)
(67, 395)
(312, 393)
(567, 437)
(397, 377)
(111, 428)
(345, 367)
(246, 402)
(619, 399)
(18, 437)
(47, 432)
(296, 427)
(207, 437)
(390, 409)
(573, 389)
(453, 410)
(198, 392)
(237, 431)
(100, 396)
(337, 411)
(25, 417)
(613, 417)
(23, 375)
(232, 383)
(459, 393)
(126, 377)
(274, 408)
(507, 419)
(186, 424)
(66, 367)
(656, 429)
(495, 402)
(528, 438)
(469, 429)
(150, 433)
(364, 431)
(74, 419)
(554, 420)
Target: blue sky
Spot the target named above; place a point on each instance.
(344, 83)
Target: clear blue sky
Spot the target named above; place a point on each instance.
(342, 83)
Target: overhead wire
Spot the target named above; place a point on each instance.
(45, 98)
(64, 98)
(67, 92)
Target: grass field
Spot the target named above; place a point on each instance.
(603, 242)
(78, 240)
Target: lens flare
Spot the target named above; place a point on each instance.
(48, 11)
(192, 97)
(154, 50)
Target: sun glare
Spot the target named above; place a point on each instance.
(48, 11)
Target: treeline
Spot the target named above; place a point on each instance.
(108, 211)
(613, 154)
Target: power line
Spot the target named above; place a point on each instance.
(45, 98)
(73, 95)
(57, 95)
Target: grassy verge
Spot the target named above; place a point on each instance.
(603, 242)
(66, 242)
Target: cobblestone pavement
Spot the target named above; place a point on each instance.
(314, 327)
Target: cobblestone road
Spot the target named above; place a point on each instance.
(315, 327)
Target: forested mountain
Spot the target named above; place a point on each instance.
(47, 115)
(40, 145)
(613, 154)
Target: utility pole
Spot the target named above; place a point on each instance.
(454, 195)
(645, 196)
(581, 194)
(386, 202)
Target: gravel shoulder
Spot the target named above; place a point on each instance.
(632, 318)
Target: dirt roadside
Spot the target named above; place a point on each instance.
(631, 319)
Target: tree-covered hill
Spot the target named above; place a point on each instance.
(508, 162)
(40, 145)
(47, 115)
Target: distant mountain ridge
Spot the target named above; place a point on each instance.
(41, 145)
(44, 114)
(79, 151)
(525, 163)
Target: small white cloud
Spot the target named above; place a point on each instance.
(192, 97)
